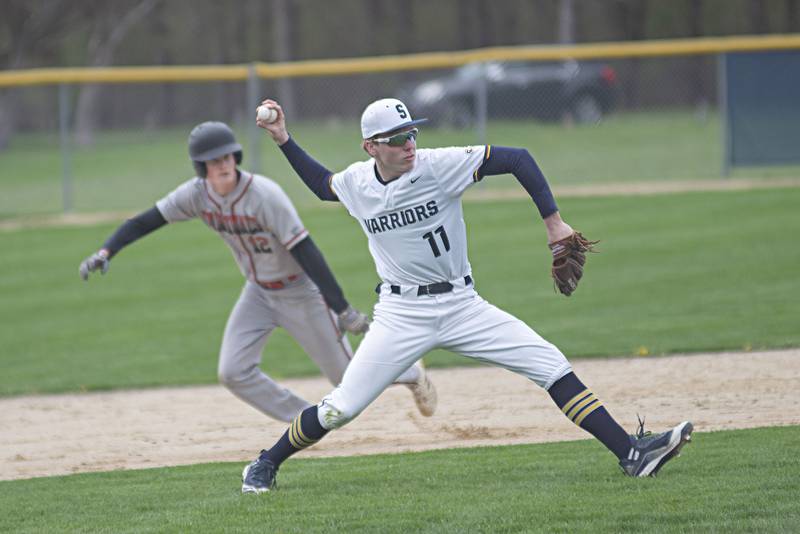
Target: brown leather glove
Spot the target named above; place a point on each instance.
(569, 256)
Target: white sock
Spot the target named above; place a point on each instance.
(410, 375)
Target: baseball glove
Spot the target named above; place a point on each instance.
(353, 321)
(96, 262)
(569, 256)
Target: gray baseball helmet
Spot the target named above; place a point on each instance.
(210, 140)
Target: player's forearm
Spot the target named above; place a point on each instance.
(133, 229)
(313, 173)
(521, 164)
(313, 263)
(556, 228)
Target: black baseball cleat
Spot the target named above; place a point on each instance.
(259, 476)
(649, 452)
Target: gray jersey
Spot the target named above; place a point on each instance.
(257, 221)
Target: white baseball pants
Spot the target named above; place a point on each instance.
(407, 326)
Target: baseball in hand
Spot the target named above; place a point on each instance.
(266, 114)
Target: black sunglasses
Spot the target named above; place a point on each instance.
(399, 139)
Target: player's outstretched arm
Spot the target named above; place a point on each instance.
(520, 163)
(568, 246)
(128, 232)
(313, 263)
(313, 173)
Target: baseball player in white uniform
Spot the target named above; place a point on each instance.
(288, 283)
(408, 202)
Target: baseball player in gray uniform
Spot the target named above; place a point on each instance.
(288, 282)
(408, 203)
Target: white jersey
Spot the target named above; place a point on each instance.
(257, 221)
(415, 223)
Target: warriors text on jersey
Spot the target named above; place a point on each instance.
(415, 223)
(257, 221)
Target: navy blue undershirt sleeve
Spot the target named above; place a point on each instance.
(520, 163)
(313, 263)
(133, 229)
(315, 176)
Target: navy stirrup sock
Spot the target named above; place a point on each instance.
(581, 406)
(304, 431)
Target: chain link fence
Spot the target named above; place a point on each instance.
(586, 122)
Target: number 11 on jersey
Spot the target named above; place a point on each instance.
(432, 241)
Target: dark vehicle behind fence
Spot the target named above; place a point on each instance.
(582, 92)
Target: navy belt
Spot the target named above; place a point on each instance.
(431, 289)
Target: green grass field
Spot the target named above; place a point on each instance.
(733, 481)
(677, 273)
(129, 170)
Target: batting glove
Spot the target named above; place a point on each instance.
(353, 321)
(97, 261)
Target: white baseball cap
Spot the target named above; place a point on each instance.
(386, 115)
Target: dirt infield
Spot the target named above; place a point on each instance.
(62, 434)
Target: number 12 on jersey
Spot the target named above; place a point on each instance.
(260, 244)
(432, 241)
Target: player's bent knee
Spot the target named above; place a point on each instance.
(231, 377)
(225, 377)
(331, 418)
(544, 364)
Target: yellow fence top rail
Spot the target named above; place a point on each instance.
(431, 60)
